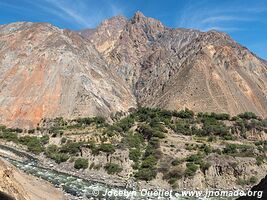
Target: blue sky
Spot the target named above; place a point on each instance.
(244, 20)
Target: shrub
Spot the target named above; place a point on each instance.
(35, 146)
(59, 157)
(247, 115)
(149, 162)
(33, 143)
(195, 158)
(99, 120)
(241, 182)
(228, 137)
(176, 162)
(134, 140)
(146, 131)
(112, 168)
(204, 166)
(88, 121)
(2, 127)
(230, 149)
(259, 160)
(184, 113)
(107, 148)
(63, 140)
(125, 124)
(84, 121)
(206, 148)
(220, 116)
(50, 149)
(212, 138)
(191, 169)
(174, 175)
(253, 180)
(72, 148)
(159, 134)
(183, 127)
(9, 136)
(134, 155)
(146, 174)
(81, 163)
(44, 139)
(31, 131)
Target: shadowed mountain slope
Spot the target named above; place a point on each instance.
(177, 68)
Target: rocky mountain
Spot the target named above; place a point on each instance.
(177, 68)
(46, 72)
(49, 72)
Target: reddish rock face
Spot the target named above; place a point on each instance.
(49, 72)
(177, 68)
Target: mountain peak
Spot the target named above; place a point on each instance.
(138, 15)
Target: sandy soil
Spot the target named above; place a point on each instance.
(34, 188)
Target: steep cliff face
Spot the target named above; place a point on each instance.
(49, 72)
(177, 68)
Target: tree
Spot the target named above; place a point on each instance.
(112, 168)
(81, 163)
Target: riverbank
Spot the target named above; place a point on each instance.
(26, 187)
(45, 162)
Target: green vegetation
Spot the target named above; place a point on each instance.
(9, 136)
(106, 148)
(72, 148)
(183, 113)
(81, 163)
(251, 181)
(112, 168)
(239, 150)
(134, 140)
(248, 115)
(53, 152)
(191, 169)
(34, 144)
(142, 133)
(176, 162)
(174, 175)
(135, 154)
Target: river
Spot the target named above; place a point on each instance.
(83, 188)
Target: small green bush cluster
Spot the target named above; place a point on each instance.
(196, 161)
(106, 148)
(134, 140)
(72, 148)
(112, 168)
(173, 175)
(251, 181)
(148, 171)
(86, 121)
(53, 152)
(191, 169)
(135, 154)
(34, 144)
(183, 113)
(9, 136)
(239, 150)
(247, 115)
(81, 163)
